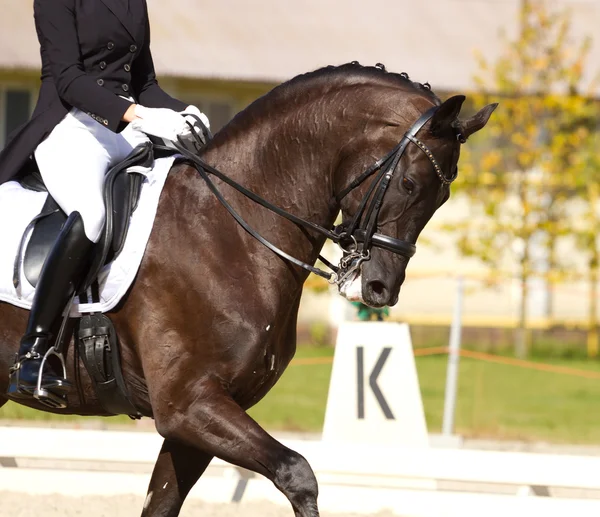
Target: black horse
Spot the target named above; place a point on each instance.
(209, 325)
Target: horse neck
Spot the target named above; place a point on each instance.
(284, 160)
(296, 156)
(291, 153)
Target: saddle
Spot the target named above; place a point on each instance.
(96, 340)
(122, 189)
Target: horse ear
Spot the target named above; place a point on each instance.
(446, 114)
(477, 121)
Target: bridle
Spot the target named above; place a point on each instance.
(356, 238)
(361, 235)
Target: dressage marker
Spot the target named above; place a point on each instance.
(374, 391)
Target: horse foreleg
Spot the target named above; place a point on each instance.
(175, 473)
(214, 423)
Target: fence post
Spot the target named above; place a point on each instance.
(453, 361)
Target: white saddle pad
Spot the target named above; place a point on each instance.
(19, 206)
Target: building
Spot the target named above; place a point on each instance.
(221, 55)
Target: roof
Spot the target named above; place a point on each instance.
(273, 40)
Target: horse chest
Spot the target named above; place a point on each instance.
(253, 385)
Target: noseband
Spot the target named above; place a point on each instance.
(356, 238)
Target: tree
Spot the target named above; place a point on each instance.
(520, 180)
(587, 229)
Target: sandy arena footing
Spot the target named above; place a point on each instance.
(19, 505)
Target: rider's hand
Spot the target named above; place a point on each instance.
(193, 110)
(129, 115)
(161, 122)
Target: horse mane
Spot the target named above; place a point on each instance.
(354, 73)
(319, 82)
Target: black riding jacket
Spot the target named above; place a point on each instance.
(94, 53)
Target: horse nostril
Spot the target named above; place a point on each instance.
(377, 287)
(376, 294)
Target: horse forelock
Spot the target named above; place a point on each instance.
(313, 85)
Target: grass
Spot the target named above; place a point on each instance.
(297, 402)
(507, 402)
(12, 411)
(494, 400)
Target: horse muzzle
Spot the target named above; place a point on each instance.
(381, 280)
(374, 292)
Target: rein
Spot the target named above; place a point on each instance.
(349, 236)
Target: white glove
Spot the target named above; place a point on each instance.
(193, 110)
(161, 122)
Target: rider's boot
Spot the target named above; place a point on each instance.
(61, 274)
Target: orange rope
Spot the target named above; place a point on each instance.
(311, 360)
(432, 350)
(471, 354)
(328, 360)
(543, 367)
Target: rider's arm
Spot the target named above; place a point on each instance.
(143, 78)
(57, 32)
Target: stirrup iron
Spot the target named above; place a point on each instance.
(45, 396)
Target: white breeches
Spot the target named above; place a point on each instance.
(74, 159)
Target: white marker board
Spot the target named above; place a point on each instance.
(374, 394)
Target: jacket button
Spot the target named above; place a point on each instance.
(133, 49)
(110, 45)
(102, 65)
(127, 68)
(105, 122)
(100, 82)
(125, 87)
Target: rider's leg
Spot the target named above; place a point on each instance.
(60, 276)
(73, 161)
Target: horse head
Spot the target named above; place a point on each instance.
(391, 204)
(375, 145)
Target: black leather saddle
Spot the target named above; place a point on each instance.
(122, 189)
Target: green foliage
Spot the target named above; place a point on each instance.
(539, 155)
(316, 284)
(549, 348)
(320, 334)
(366, 313)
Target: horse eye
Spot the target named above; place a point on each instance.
(408, 185)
